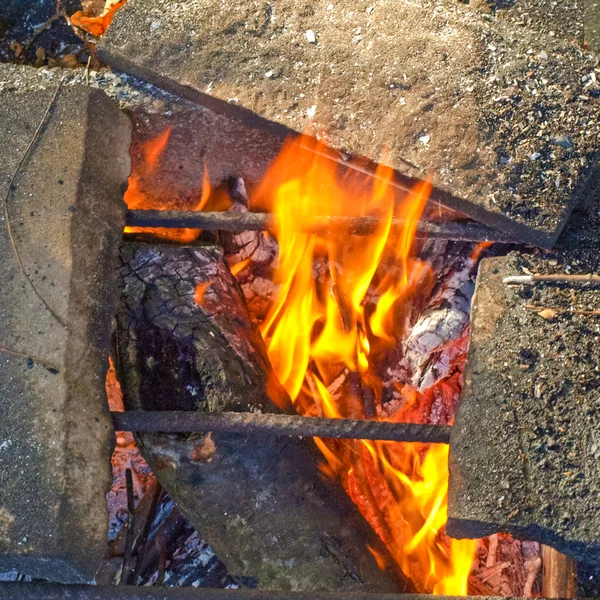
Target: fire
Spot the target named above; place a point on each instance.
(342, 301)
(96, 24)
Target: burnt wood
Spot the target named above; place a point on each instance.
(260, 501)
(249, 221)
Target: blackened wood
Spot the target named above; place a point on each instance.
(127, 568)
(142, 542)
(294, 425)
(113, 560)
(162, 543)
(260, 501)
(238, 222)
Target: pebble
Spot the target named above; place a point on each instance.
(564, 141)
(311, 37)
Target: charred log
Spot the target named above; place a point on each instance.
(184, 341)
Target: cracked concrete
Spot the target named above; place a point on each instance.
(66, 216)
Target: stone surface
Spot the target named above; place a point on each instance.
(562, 18)
(66, 216)
(524, 453)
(471, 100)
(591, 25)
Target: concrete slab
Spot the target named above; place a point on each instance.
(525, 445)
(66, 217)
(502, 117)
(592, 25)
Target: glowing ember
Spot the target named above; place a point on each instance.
(342, 302)
(96, 24)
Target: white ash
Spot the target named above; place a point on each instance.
(436, 341)
(429, 348)
(191, 563)
(438, 326)
(249, 244)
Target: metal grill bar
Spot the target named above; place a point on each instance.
(294, 425)
(58, 591)
(238, 222)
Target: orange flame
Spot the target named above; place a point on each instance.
(97, 25)
(342, 301)
(143, 175)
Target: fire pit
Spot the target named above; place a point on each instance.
(273, 289)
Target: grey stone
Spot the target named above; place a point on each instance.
(523, 447)
(66, 216)
(452, 93)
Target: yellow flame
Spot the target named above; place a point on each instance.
(336, 310)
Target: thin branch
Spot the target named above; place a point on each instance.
(87, 70)
(126, 572)
(533, 279)
(11, 187)
(142, 542)
(36, 34)
(43, 363)
(574, 311)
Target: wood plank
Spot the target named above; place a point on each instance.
(559, 574)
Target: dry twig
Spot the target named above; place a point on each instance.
(58, 14)
(574, 311)
(533, 279)
(126, 573)
(43, 363)
(11, 187)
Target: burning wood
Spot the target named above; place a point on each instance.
(175, 354)
(401, 490)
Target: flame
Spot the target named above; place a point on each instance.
(97, 24)
(143, 177)
(342, 301)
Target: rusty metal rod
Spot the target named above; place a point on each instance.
(294, 425)
(249, 221)
(60, 591)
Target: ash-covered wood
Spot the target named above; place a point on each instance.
(261, 502)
